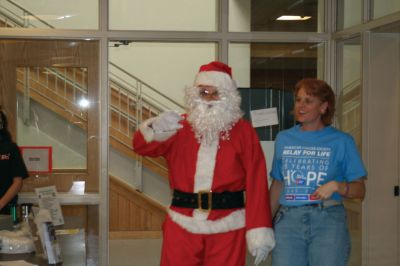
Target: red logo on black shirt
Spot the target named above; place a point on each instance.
(5, 156)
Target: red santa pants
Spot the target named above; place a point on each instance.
(182, 248)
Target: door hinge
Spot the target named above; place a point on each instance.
(396, 191)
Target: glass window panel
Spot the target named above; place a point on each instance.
(180, 15)
(266, 74)
(248, 16)
(58, 14)
(82, 246)
(54, 105)
(39, 93)
(349, 97)
(52, 111)
(349, 13)
(381, 8)
(349, 116)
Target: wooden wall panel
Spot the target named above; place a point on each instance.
(133, 213)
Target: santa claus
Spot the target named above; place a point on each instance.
(217, 173)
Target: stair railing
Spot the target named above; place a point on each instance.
(138, 101)
(18, 16)
(132, 100)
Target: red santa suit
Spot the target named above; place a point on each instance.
(233, 162)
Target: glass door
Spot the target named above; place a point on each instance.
(50, 93)
(381, 206)
(349, 119)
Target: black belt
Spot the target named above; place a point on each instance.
(205, 200)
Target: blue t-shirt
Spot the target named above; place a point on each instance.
(305, 160)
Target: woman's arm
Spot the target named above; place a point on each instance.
(275, 192)
(11, 192)
(350, 190)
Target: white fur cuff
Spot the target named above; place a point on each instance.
(147, 131)
(260, 237)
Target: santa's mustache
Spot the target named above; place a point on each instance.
(208, 104)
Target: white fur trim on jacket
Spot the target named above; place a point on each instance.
(260, 237)
(203, 177)
(205, 166)
(233, 221)
(149, 134)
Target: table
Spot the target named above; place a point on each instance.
(72, 244)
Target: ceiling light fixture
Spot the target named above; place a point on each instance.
(289, 17)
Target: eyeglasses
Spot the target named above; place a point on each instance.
(208, 92)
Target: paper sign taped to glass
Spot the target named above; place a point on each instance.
(264, 117)
(38, 159)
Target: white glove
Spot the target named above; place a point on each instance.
(166, 122)
(261, 254)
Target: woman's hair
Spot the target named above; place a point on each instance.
(5, 135)
(320, 89)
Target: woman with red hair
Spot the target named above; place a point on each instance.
(315, 167)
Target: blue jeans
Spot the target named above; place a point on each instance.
(311, 236)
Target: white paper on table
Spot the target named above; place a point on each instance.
(47, 197)
(264, 117)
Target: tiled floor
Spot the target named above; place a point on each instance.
(135, 252)
(146, 252)
(142, 252)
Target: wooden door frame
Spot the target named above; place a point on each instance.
(55, 53)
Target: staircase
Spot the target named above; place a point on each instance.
(12, 15)
(59, 90)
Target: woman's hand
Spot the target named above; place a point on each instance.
(325, 191)
(350, 190)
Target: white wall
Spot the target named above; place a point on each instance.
(268, 148)
(168, 67)
(122, 166)
(239, 60)
(193, 15)
(351, 64)
(239, 15)
(153, 185)
(384, 7)
(352, 13)
(81, 14)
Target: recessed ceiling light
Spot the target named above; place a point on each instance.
(287, 17)
(65, 16)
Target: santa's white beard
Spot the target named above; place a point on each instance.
(212, 120)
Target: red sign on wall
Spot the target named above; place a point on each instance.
(38, 159)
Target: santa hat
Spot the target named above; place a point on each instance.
(216, 74)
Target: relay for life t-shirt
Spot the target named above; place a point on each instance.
(305, 160)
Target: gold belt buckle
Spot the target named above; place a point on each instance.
(199, 200)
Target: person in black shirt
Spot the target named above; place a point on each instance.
(12, 168)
